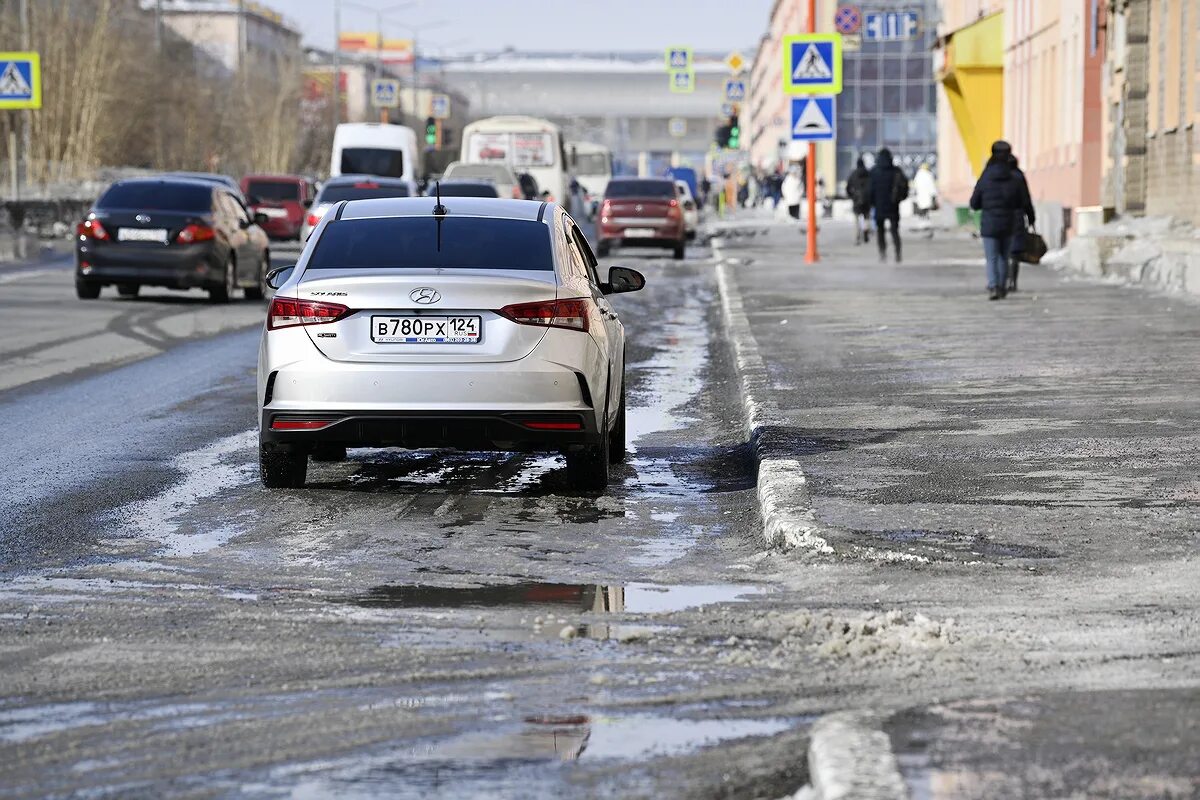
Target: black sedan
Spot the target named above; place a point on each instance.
(174, 232)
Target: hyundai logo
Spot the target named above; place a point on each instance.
(143, 218)
(425, 296)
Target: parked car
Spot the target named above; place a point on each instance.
(691, 211)
(485, 326)
(174, 232)
(641, 212)
(353, 187)
(501, 175)
(462, 188)
(283, 199)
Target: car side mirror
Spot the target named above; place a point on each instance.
(307, 202)
(688, 205)
(260, 218)
(623, 279)
(279, 276)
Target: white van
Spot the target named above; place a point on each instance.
(527, 144)
(592, 166)
(374, 148)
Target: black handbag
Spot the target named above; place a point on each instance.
(1034, 249)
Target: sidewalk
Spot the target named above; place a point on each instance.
(1024, 470)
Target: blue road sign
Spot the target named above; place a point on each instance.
(890, 26)
(814, 119)
(439, 106)
(812, 63)
(679, 58)
(735, 91)
(20, 80)
(385, 93)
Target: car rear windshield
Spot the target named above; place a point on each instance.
(649, 189)
(273, 190)
(362, 191)
(373, 161)
(468, 190)
(412, 242)
(158, 196)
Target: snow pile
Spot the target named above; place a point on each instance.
(866, 636)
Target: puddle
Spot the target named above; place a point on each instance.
(633, 598)
(962, 544)
(508, 759)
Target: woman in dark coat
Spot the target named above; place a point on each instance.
(1024, 219)
(1000, 193)
(858, 189)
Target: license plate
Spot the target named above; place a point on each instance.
(142, 235)
(425, 330)
(639, 233)
(274, 213)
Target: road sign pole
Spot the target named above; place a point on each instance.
(810, 169)
(27, 114)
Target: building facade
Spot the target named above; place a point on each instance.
(888, 95)
(1151, 121)
(232, 33)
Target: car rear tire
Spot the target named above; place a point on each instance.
(587, 468)
(128, 289)
(282, 467)
(222, 293)
(259, 290)
(86, 290)
(616, 443)
(679, 250)
(329, 453)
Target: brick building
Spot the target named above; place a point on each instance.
(1152, 106)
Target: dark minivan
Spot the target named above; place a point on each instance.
(174, 232)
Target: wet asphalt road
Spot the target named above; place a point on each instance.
(410, 624)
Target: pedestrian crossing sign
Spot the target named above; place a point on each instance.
(20, 80)
(814, 119)
(812, 64)
(682, 81)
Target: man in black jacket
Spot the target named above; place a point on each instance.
(888, 187)
(1000, 194)
(858, 189)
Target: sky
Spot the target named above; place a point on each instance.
(568, 25)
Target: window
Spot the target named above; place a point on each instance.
(893, 99)
(640, 188)
(413, 243)
(236, 209)
(372, 161)
(273, 190)
(914, 98)
(868, 99)
(157, 195)
(366, 190)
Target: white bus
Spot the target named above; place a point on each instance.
(592, 166)
(374, 148)
(527, 144)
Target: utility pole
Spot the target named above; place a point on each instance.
(810, 169)
(27, 114)
(241, 34)
(336, 109)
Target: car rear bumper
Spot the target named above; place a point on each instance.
(173, 266)
(282, 228)
(664, 235)
(466, 430)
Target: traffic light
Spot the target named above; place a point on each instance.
(431, 137)
(735, 133)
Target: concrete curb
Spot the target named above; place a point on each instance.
(789, 521)
(850, 758)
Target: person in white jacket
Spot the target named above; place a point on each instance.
(792, 193)
(925, 196)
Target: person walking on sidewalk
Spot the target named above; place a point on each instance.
(888, 187)
(792, 193)
(999, 194)
(925, 197)
(858, 189)
(1025, 218)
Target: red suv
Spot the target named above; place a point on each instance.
(641, 212)
(283, 199)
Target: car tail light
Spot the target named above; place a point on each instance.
(571, 313)
(553, 425)
(605, 210)
(673, 203)
(300, 424)
(286, 313)
(92, 229)
(366, 185)
(195, 233)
